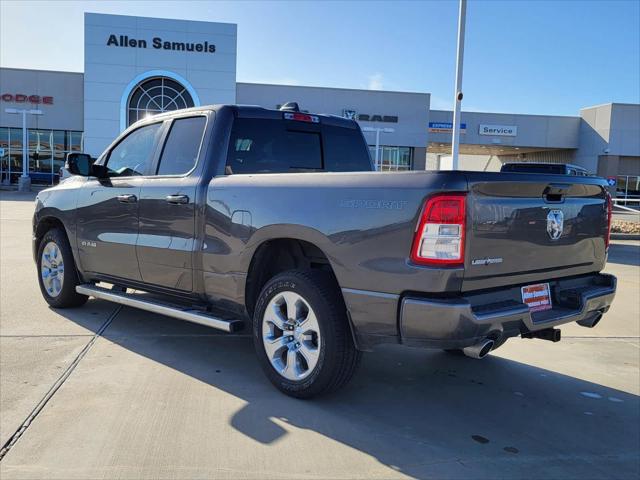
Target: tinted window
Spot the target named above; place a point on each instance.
(133, 155)
(278, 146)
(181, 149)
(345, 150)
(272, 146)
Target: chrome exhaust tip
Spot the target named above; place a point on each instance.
(591, 322)
(479, 350)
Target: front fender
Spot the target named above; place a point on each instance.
(57, 206)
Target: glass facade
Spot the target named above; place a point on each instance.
(47, 150)
(628, 186)
(392, 159)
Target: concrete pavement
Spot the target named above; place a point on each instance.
(153, 397)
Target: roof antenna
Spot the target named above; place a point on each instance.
(290, 107)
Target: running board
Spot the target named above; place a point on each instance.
(180, 313)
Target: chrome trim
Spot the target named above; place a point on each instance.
(128, 300)
(370, 293)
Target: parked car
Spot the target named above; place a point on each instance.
(234, 215)
(552, 168)
(63, 174)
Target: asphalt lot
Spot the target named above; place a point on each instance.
(135, 395)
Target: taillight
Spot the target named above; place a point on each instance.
(609, 215)
(301, 117)
(439, 238)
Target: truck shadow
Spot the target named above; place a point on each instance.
(624, 254)
(422, 413)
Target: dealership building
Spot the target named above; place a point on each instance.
(135, 67)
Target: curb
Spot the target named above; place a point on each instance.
(625, 236)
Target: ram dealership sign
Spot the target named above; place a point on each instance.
(366, 117)
(498, 130)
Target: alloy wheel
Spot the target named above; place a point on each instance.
(291, 335)
(52, 269)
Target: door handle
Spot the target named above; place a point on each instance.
(177, 199)
(128, 198)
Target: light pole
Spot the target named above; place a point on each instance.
(377, 131)
(455, 141)
(24, 183)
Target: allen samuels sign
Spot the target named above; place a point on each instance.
(158, 43)
(498, 130)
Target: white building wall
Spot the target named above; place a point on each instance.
(66, 111)
(542, 131)
(607, 133)
(110, 70)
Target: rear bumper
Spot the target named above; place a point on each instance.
(463, 321)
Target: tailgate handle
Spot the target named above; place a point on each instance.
(554, 192)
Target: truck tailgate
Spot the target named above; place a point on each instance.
(523, 228)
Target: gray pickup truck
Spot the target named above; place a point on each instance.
(233, 216)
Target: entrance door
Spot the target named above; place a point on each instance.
(166, 239)
(107, 226)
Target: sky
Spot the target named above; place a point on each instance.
(535, 57)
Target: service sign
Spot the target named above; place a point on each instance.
(498, 130)
(445, 127)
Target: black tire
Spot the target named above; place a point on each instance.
(338, 357)
(67, 297)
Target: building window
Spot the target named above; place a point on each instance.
(47, 150)
(157, 95)
(628, 187)
(392, 159)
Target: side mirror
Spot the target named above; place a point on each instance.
(79, 164)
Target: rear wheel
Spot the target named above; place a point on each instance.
(57, 274)
(301, 334)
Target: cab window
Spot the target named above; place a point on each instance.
(180, 152)
(134, 154)
(281, 146)
(272, 146)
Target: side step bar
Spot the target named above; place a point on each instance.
(189, 315)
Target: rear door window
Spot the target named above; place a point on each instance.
(180, 152)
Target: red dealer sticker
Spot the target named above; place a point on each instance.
(537, 297)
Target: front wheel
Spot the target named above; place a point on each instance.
(57, 275)
(301, 334)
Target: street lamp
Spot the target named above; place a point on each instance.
(455, 140)
(24, 183)
(378, 130)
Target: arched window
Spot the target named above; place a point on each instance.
(157, 95)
